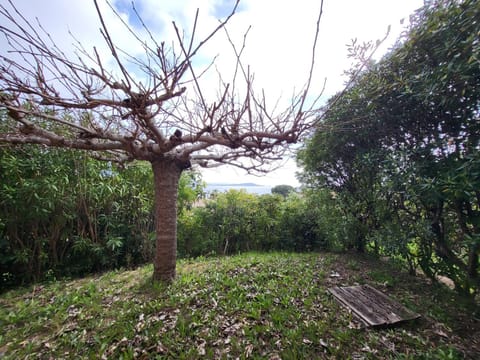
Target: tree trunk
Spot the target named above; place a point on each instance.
(473, 262)
(166, 174)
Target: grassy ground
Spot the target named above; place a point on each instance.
(268, 306)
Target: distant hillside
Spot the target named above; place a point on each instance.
(233, 185)
(249, 187)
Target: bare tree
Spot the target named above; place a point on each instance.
(79, 102)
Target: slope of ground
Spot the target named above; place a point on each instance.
(268, 306)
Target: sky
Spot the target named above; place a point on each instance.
(278, 45)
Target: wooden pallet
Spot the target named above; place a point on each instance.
(372, 306)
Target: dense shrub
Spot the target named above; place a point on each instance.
(63, 213)
(236, 221)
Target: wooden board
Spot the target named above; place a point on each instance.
(372, 306)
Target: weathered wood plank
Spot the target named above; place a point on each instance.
(372, 306)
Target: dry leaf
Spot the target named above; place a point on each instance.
(248, 350)
(201, 348)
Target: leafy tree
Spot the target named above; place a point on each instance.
(347, 159)
(403, 135)
(77, 102)
(436, 73)
(283, 190)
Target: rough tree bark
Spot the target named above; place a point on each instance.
(166, 174)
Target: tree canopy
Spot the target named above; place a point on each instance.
(283, 190)
(403, 155)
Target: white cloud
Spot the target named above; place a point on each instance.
(278, 44)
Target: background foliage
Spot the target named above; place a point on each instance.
(64, 213)
(236, 221)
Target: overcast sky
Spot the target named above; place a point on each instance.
(278, 49)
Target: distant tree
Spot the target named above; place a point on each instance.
(78, 102)
(283, 190)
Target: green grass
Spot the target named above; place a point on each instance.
(258, 306)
